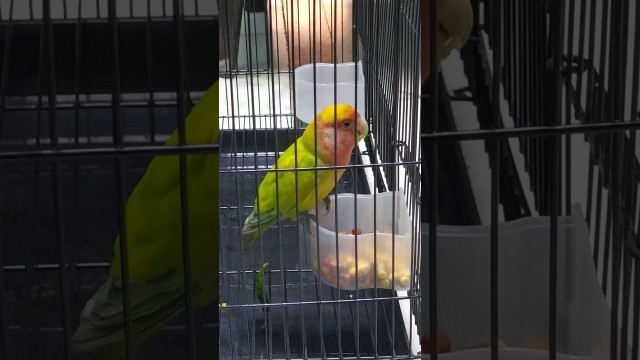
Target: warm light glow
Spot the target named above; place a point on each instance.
(293, 23)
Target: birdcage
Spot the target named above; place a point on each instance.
(529, 220)
(90, 91)
(286, 295)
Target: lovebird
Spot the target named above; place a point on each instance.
(455, 22)
(154, 242)
(340, 122)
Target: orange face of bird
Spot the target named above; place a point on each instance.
(340, 127)
(347, 120)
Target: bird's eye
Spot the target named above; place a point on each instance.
(346, 124)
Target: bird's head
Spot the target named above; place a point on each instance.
(339, 128)
(345, 120)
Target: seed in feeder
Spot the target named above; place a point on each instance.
(382, 260)
(385, 283)
(344, 266)
(349, 262)
(382, 275)
(356, 231)
(362, 275)
(329, 276)
(364, 268)
(326, 261)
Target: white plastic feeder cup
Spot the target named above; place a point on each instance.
(388, 254)
(344, 82)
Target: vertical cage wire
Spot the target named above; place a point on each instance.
(567, 75)
(262, 47)
(84, 108)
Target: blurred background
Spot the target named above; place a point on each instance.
(82, 77)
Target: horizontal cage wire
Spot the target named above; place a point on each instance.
(529, 141)
(321, 284)
(90, 92)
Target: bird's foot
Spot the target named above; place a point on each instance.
(307, 222)
(327, 204)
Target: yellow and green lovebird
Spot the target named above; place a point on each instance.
(154, 242)
(339, 129)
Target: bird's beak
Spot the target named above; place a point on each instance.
(362, 128)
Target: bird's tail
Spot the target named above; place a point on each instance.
(255, 225)
(101, 330)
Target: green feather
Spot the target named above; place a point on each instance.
(260, 284)
(261, 294)
(154, 242)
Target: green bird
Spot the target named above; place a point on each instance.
(154, 240)
(337, 128)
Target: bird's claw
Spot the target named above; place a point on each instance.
(327, 204)
(313, 217)
(307, 222)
